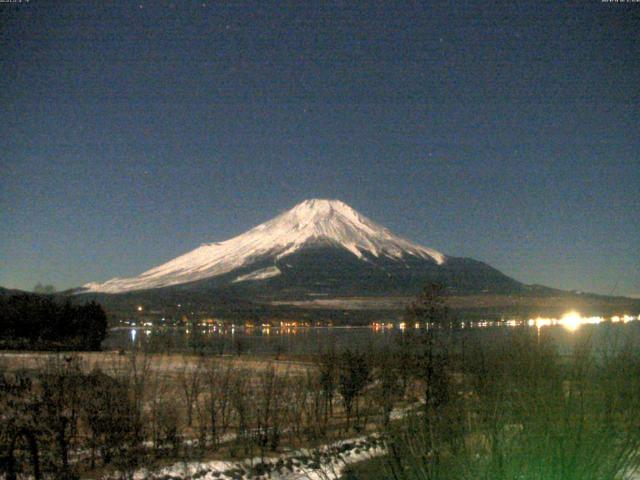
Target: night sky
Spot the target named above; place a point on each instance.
(509, 132)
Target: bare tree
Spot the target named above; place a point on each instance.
(60, 382)
(129, 423)
(328, 367)
(354, 375)
(241, 396)
(269, 404)
(217, 385)
(169, 426)
(190, 380)
(19, 406)
(389, 388)
(157, 390)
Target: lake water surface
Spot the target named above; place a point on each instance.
(604, 335)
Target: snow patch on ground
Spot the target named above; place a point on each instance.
(324, 463)
(261, 274)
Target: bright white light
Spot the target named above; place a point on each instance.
(571, 321)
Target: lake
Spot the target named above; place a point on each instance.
(565, 333)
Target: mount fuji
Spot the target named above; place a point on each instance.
(319, 247)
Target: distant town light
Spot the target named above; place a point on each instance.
(139, 308)
(571, 321)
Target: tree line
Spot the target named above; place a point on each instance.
(42, 322)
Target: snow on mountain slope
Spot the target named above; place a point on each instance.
(309, 222)
(261, 274)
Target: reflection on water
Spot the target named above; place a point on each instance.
(287, 340)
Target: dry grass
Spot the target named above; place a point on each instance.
(161, 363)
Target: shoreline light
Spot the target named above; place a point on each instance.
(571, 321)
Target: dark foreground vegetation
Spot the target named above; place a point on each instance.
(42, 322)
(442, 407)
(518, 411)
(443, 411)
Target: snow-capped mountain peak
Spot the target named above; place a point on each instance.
(310, 222)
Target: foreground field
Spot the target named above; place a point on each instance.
(156, 362)
(110, 415)
(429, 407)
